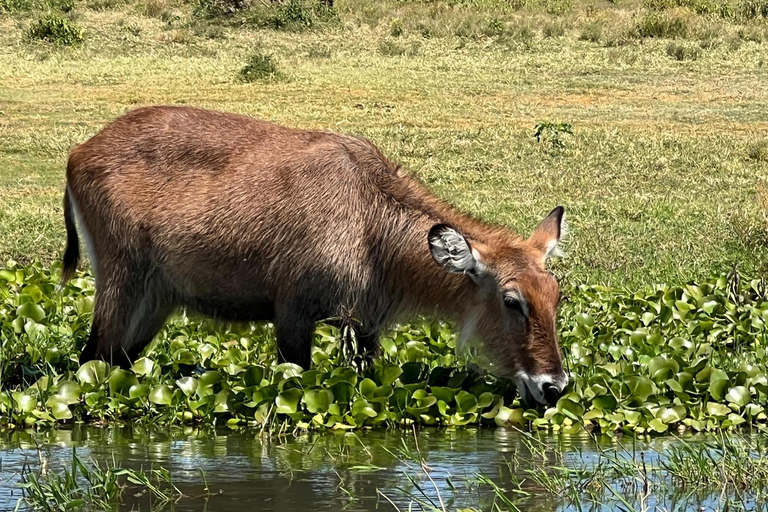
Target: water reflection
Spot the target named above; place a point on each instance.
(351, 471)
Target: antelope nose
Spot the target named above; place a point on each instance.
(544, 389)
(552, 392)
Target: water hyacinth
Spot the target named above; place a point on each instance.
(673, 357)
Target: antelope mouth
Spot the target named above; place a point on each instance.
(525, 394)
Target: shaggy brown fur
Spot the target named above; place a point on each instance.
(246, 220)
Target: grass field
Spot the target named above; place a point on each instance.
(663, 177)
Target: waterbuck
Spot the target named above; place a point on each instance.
(245, 220)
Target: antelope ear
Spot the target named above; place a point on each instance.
(452, 252)
(546, 238)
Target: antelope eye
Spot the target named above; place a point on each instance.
(512, 302)
(516, 303)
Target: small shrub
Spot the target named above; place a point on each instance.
(495, 27)
(659, 5)
(218, 8)
(592, 32)
(553, 29)
(557, 7)
(717, 7)
(616, 40)
(708, 43)
(472, 27)
(10, 6)
(396, 28)
(292, 15)
(295, 13)
(758, 151)
(620, 55)
(683, 52)
(553, 133)
(659, 25)
(62, 5)
(103, 5)
(13, 6)
(750, 9)
(56, 29)
(259, 67)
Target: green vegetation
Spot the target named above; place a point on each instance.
(260, 67)
(94, 486)
(687, 357)
(56, 29)
(625, 475)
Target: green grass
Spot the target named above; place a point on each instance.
(659, 177)
(94, 486)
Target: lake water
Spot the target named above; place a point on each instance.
(364, 471)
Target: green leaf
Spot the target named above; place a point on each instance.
(143, 366)
(739, 396)
(138, 391)
(361, 407)
(570, 409)
(387, 374)
(367, 388)
(253, 376)
(342, 392)
(188, 385)
(717, 388)
(605, 403)
(399, 399)
(670, 414)
(208, 379)
(26, 403)
(318, 400)
(69, 392)
(59, 408)
(466, 402)
(716, 409)
(658, 425)
(93, 373)
(640, 388)
(445, 394)
(506, 416)
(661, 367)
(32, 311)
(288, 401)
(161, 395)
(120, 382)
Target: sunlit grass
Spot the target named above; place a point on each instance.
(658, 180)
